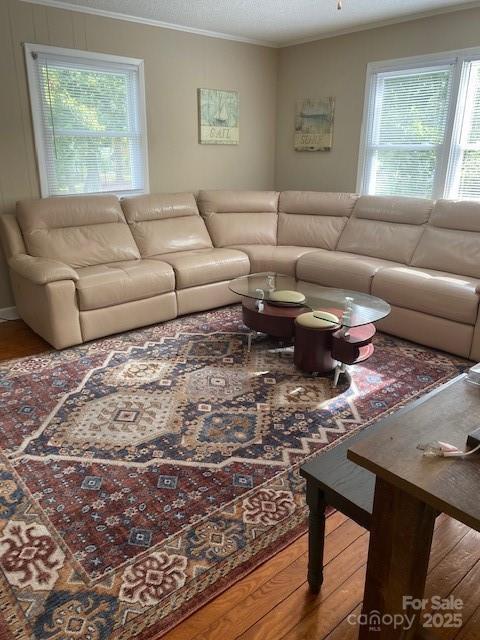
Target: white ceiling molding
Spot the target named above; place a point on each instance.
(380, 23)
(60, 4)
(271, 15)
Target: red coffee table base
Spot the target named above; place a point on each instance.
(275, 321)
(354, 347)
(313, 349)
(317, 350)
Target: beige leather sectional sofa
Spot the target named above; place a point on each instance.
(85, 267)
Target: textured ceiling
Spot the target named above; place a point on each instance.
(273, 22)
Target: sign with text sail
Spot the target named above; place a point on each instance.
(218, 114)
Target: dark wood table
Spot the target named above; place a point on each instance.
(334, 481)
(410, 491)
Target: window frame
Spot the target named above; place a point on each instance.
(37, 109)
(446, 151)
(456, 147)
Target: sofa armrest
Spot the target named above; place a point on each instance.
(41, 270)
(477, 288)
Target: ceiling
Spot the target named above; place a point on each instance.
(270, 22)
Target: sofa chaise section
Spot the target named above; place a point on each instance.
(381, 232)
(78, 274)
(168, 228)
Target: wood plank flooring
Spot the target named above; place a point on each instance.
(273, 602)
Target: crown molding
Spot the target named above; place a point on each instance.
(384, 23)
(61, 4)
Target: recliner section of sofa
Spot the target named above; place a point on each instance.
(106, 285)
(169, 228)
(339, 269)
(441, 282)
(387, 228)
(450, 241)
(165, 223)
(86, 267)
(380, 233)
(420, 257)
(81, 276)
(78, 231)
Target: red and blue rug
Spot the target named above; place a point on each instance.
(142, 474)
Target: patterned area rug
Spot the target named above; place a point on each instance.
(142, 474)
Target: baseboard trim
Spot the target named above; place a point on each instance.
(8, 313)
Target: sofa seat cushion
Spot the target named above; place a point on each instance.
(205, 266)
(264, 257)
(434, 292)
(339, 269)
(106, 285)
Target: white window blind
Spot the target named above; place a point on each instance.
(406, 136)
(464, 175)
(88, 113)
(421, 127)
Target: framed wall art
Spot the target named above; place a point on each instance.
(314, 124)
(218, 115)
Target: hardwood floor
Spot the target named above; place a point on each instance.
(273, 602)
(17, 340)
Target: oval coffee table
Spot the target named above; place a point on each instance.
(339, 334)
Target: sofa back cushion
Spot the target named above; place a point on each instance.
(451, 241)
(313, 219)
(80, 230)
(240, 217)
(166, 222)
(385, 227)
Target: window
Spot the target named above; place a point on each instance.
(89, 121)
(421, 129)
(463, 181)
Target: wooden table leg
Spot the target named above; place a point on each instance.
(316, 536)
(400, 541)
